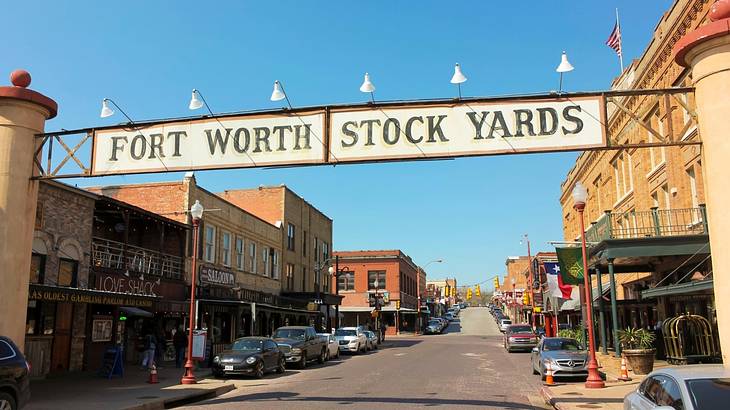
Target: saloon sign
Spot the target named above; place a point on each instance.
(213, 276)
(332, 135)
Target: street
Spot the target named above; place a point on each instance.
(464, 367)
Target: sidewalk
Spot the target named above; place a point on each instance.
(569, 396)
(87, 391)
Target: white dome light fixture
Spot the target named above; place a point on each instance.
(458, 77)
(279, 94)
(195, 102)
(564, 67)
(106, 111)
(368, 87)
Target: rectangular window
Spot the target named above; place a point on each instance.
(275, 257)
(376, 277)
(226, 249)
(290, 276)
(239, 253)
(37, 267)
(314, 249)
(209, 250)
(67, 272)
(40, 318)
(290, 235)
(693, 186)
(252, 256)
(325, 251)
(304, 243)
(345, 281)
(267, 262)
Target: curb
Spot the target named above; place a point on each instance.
(184, 399)
(547, 395)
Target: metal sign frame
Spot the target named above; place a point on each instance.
(619, 108)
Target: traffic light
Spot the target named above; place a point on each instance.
(453, 292)
(496, 283)
(526, 299)
(478, 292)
(468, 294)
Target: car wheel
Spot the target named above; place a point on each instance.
(533, 370)
(7, 402)
(327, 356)
(303, 361)
(282, 365)
(322, 356)
(259, 370)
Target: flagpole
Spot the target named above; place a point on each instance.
(621, 54)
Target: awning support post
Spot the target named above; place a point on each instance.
(614, 310)
(601, 318)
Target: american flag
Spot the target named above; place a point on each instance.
(614, 40)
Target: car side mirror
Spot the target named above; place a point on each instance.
(535, 350)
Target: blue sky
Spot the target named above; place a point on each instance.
(472, 212)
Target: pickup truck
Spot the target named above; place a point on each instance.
(300, 344)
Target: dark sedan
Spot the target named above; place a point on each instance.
(14, 379)
(253, 356)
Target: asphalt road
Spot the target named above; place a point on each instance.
(464, 367)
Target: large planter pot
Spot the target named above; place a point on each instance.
(640, 360)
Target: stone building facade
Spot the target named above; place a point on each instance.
(56, 331)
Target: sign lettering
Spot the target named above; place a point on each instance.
(215, 276)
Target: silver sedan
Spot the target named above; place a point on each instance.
(565, 356)
(702, 386)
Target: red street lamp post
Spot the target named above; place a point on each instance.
(196, 211)
(594, 380)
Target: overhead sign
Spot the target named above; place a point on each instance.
(232, 142)
(364, 133)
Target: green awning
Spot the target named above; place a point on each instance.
(678, 289)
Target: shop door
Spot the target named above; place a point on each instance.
(62, 338)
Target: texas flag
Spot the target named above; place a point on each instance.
(555, 283)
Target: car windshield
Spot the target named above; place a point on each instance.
(520, 329)
(506, 322)
(434, 323)
(247, 344)
(343, 332)
(296, 334)
(560, 344)
(709, 393)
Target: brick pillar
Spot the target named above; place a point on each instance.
(23, 114)
(707, 51)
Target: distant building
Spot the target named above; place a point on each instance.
(390, 273)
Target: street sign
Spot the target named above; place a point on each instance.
(348, 134)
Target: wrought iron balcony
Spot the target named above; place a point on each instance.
(134, 259)
(653, 223)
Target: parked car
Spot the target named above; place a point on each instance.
(372, 340)
(434, 326)
(449, 317)
(519, 337)
(300, 344)
(685, 387)
(252, 356)
(333, 348)
(444, 323)
(503, 324)
(14, 376)
(566, 357)
(351, 339)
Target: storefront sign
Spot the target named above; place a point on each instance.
(330, 135)
(53, 294)
(213, 276)
(122, 284)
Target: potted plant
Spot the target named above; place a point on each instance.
(638, 349)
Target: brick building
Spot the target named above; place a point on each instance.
(239, 260)
(390, 273)
(645, 212)
(305, 239)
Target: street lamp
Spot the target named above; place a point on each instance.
(594, 380)
(418, 291)
(196, 211)
(335, 272)
(514, 300)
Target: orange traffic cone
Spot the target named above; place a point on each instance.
(153, 375)
(624, 371)
(549, 374)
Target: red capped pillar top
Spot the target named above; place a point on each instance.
(719, 26)
(19, 91)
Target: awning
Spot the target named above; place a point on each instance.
(678, 289)
(355, 309)
(133, 311)
(570, 305)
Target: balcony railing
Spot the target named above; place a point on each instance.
(130, 258)
(652, 223)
